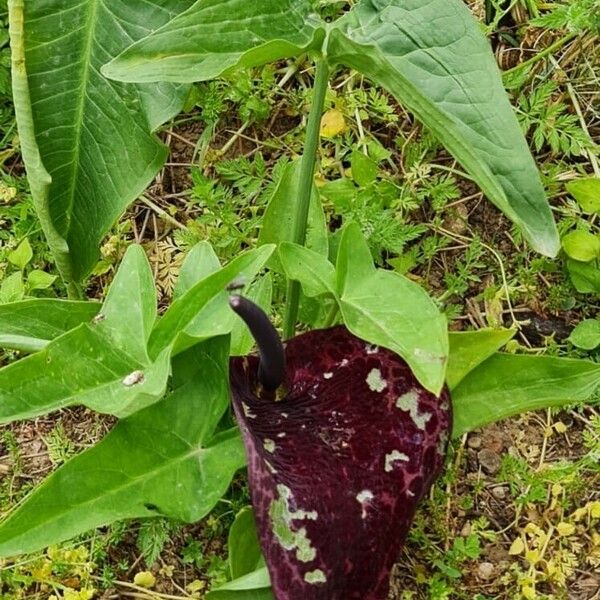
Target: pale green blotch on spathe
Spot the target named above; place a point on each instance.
(316, 576)
(393, 457)
(409, 402)
(364, 496)
(281, 518)
(375, 381)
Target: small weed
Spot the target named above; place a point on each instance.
(576, 15)
(546, 120)
(58, 574)
(152, 536)
(459, 281)
(60, 447)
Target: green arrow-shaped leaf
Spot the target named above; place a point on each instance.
(81, 367)
(86, 141)
(432, 55)
(506, 385)
(29, 325)
(103, 363)
(314, 272)
(216, 318)
(468, 349)
(389, 310)
(186, 309)
(129, 311)
(213, 36)
(163, 460)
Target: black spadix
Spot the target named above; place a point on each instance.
(271, 368)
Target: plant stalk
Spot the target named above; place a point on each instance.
(307, 170)
(542, 54)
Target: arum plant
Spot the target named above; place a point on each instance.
(345, 428)
(341, 437)
(434, 59)
(343, 442)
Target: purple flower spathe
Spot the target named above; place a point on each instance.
(338, 462)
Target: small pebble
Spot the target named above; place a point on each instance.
(499, 492)
(485, 570)
(474, 442)
(489, 461)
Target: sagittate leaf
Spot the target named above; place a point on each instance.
(165, 460)
(86, 141)
(392, 311)
(102, 363)
(200, 262)
(215, 318)
(354, 259)
(338, 464)
(314, 272)
(506, 385)
(29, 325)
(213, 36)
(129, 311)
(184, 314)
(468, 349)
(81, 367)
(433, 57)
(278, 221)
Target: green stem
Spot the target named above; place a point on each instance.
(531, 6)
(540, 55)
(331, 315)
(306, 182)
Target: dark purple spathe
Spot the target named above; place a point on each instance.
(338, 465)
